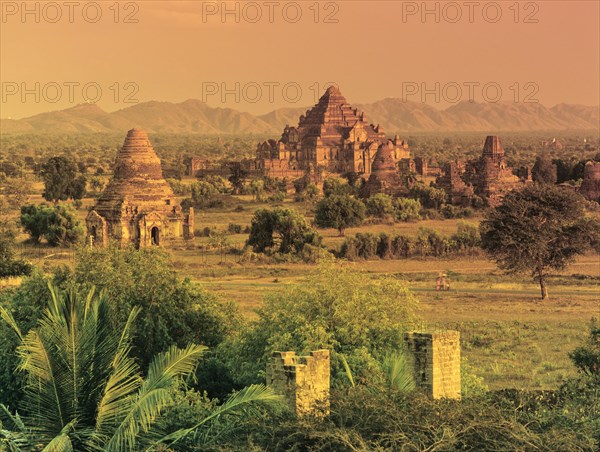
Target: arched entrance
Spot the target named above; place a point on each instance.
(155, 236)
(94, 235)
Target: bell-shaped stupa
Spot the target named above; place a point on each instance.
(138, 205)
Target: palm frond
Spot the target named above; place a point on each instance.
(16, 439)
(8, 318)
(347, 370)
(243, 403)
(398, 371)
(62, 441)
(154, 394)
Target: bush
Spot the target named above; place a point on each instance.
(334, 308)
(173, 310)
(380, 206)
(407, 209)
(449, 211)
(234, 228)
(58, 224)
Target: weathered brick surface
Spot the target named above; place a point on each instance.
(303, 380)
(436, 362)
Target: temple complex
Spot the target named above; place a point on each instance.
(590, 187)
(332, 135)
(138, 206)
(489, 176)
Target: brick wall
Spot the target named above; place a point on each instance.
(303, 380)
(436, 362)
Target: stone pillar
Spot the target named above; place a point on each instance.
(304, 381)
(436, 359)
(188, 225)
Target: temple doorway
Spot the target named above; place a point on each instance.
(155, 235)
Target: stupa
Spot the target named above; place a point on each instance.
(138, 206)
(385, 176)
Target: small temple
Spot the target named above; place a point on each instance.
(385, 176)
(138, 206)
(489, 176)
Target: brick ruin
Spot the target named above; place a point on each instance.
(590, 187)
(138, 206)
(436, 358)
(332, 135)
(489, 176)
(304, 381)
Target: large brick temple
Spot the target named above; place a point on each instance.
(138, 206)
(333, 136)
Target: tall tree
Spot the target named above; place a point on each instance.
(237, 178)
(544, 170)
(339, 212)
(61, 180)
(285, 230)
(539, 228)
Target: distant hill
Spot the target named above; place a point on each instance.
(394, 115)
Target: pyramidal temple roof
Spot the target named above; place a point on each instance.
(332, 118)
(492, 146)
(138, 176)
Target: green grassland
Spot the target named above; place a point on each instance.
(509, 336)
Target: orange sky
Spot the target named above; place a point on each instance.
(175, 52)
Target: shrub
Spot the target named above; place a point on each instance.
(407, 209)
(57, 224)
(380, 206)
(234, 228)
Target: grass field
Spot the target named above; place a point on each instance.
(509, 336)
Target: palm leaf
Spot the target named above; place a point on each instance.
(398, 371)
(154, 394)
(243, 403)
(8, 318)
(61, 442)
(122, 383)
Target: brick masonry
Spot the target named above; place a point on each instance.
(303, 380)
(436, 359)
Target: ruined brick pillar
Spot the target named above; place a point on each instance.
(436, 362)
(303, 380)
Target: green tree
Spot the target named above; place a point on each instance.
(430, 197)
(380, 206)
(58, 224)
(9, 264)
(339, 212)
(544, 170)
(284, 230)
(334, 308)
(237, 178)
(407, 209)
(61, 180)
(174, 310)
(85, 392)
(257, 189)
(587, 357)
(203, 193)
(539, 228)
(336, 186)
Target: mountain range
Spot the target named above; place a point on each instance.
(394, 115)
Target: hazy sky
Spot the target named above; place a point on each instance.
(282, 54)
